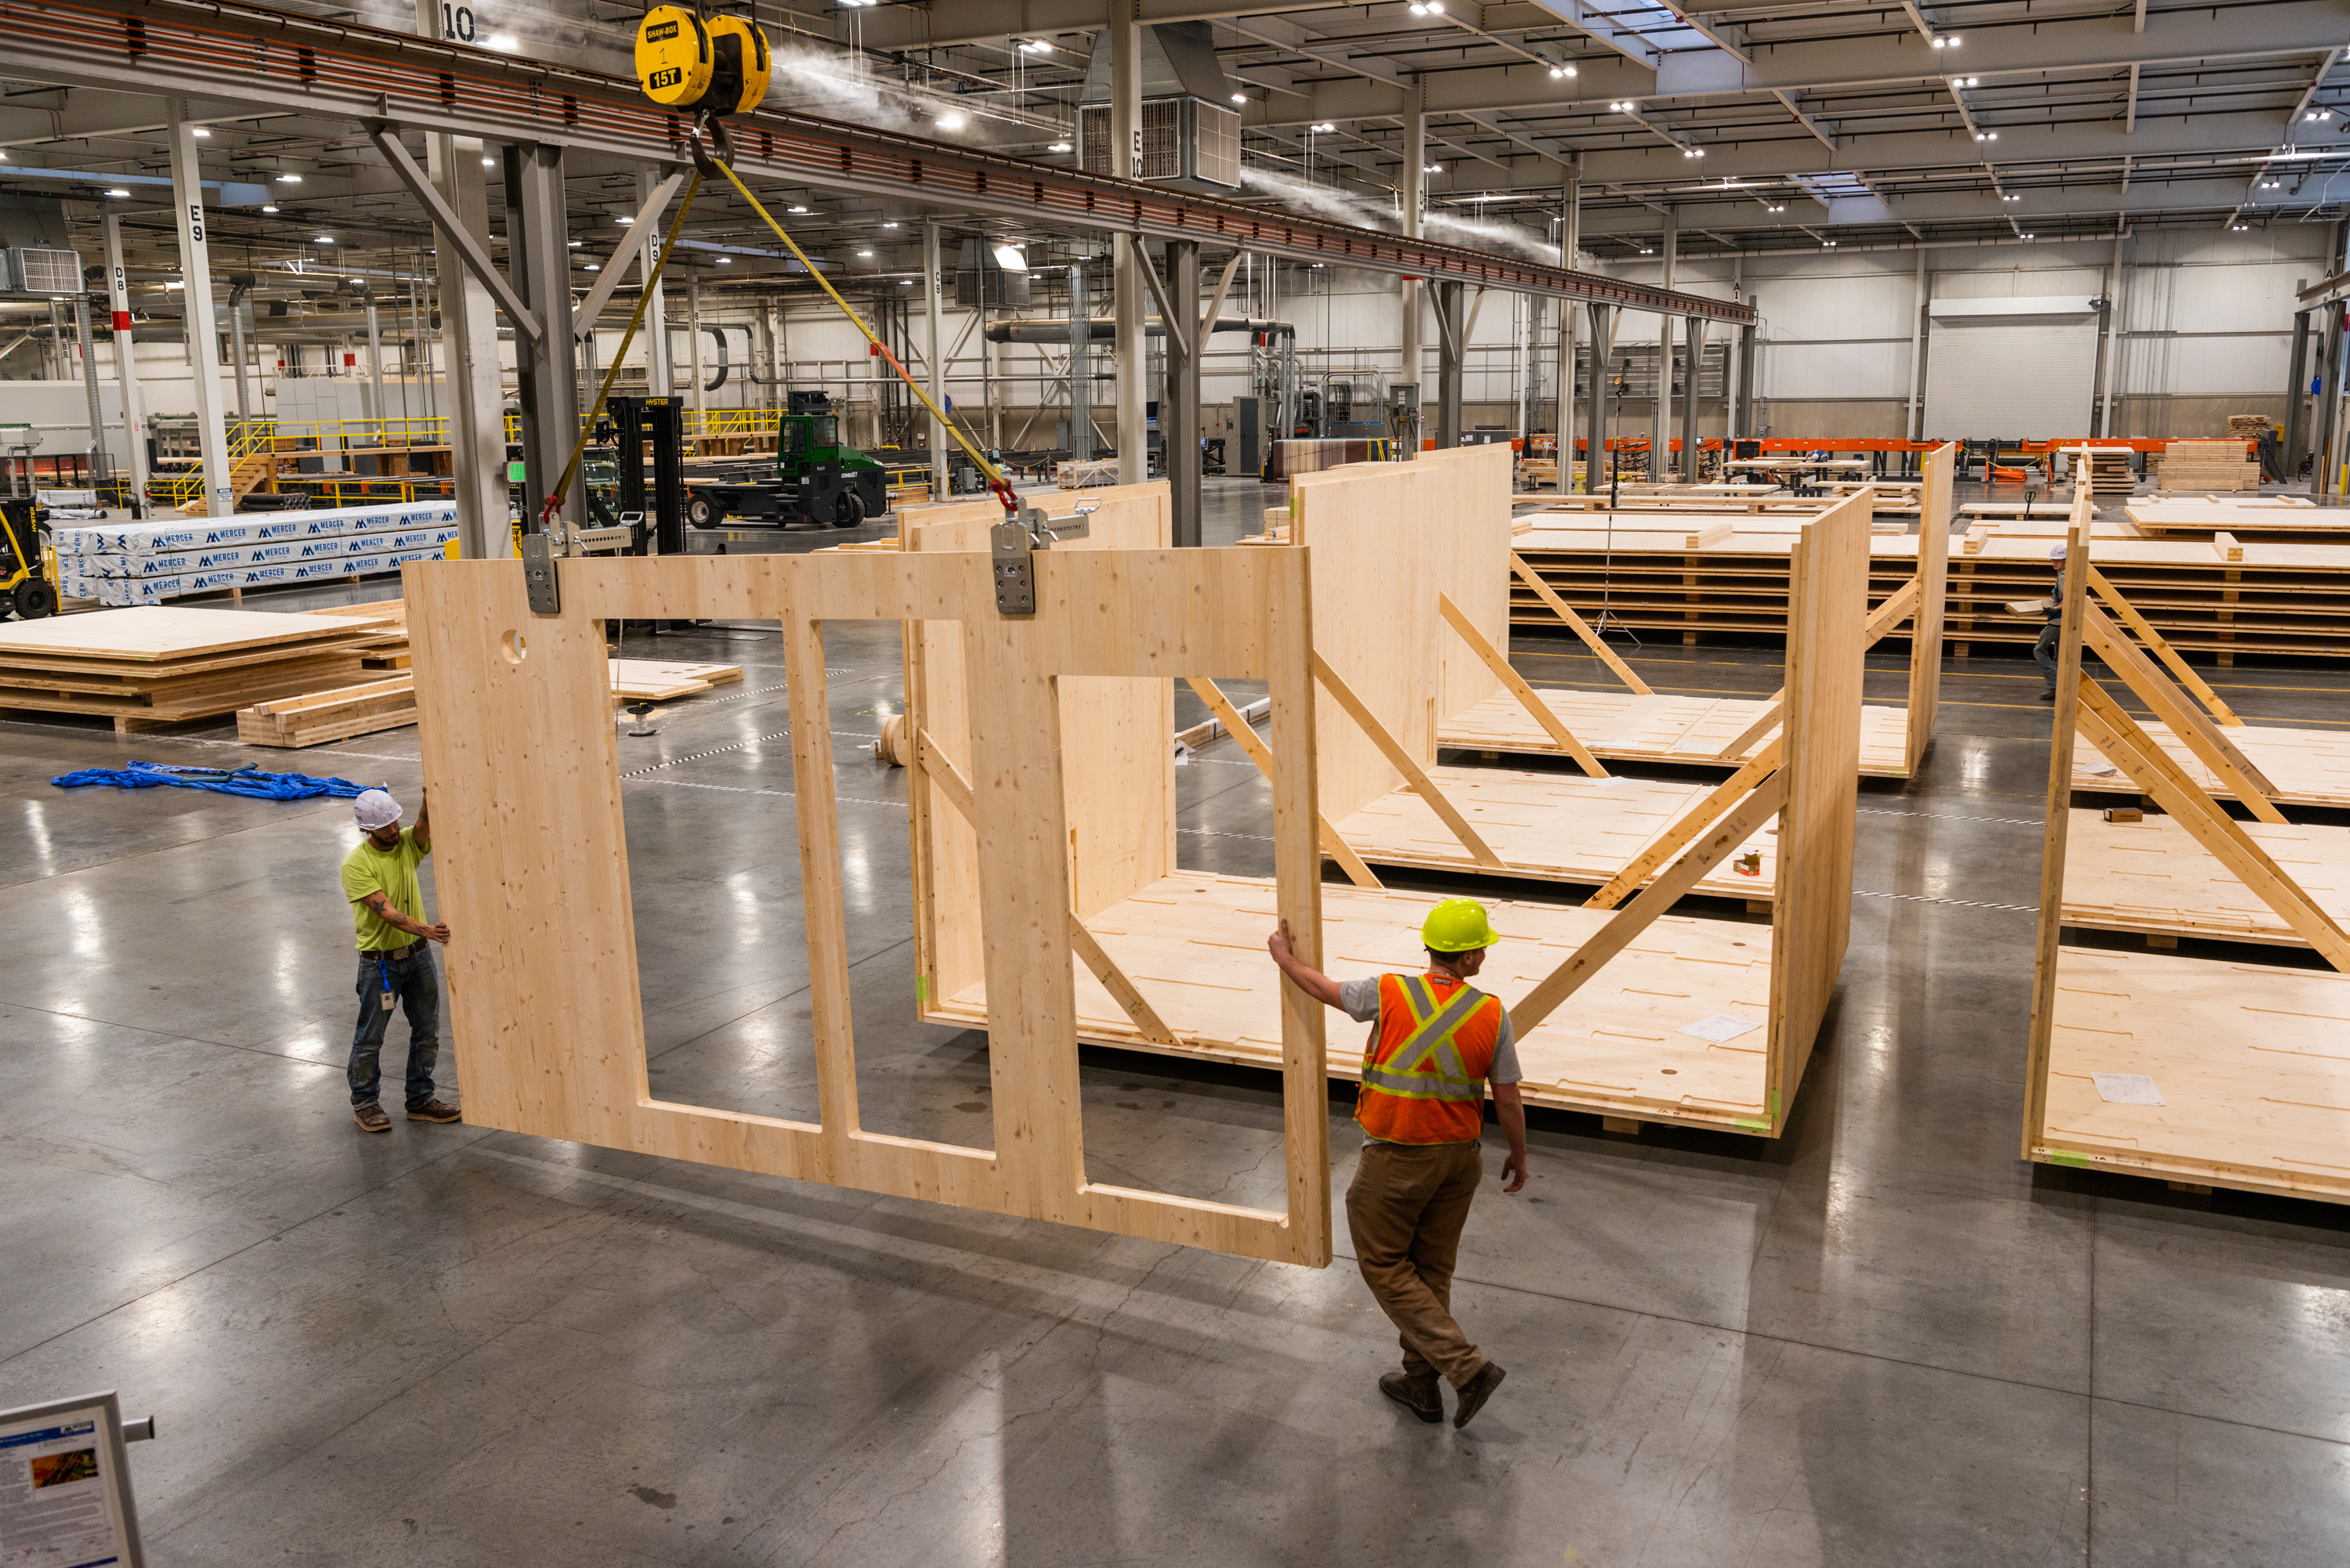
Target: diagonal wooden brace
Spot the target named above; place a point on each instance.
(2109, 727)
(1678, 836)
(1655, 899)
(1528, 698)
(2189, 723)
(1335, 847)
(1577, 624)
(939, 769)
(1405, 764)
(2127, 613)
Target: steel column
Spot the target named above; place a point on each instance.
(1127, 256)
(2296, 396)
(2327, 433)
(933, 352)
(236, 307)
(1450, 326)
(1660, 419)
(101, 468)
(196, 303)
(660, 372)
(1186, 341)
(1081, 418)
(1694, 335)
(536, 236)
(469, 333)
(1595, 432)
(1570, 241)
(1415, 200)
(126, 361)
(375, 357)
(1750, 426)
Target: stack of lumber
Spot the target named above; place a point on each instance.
(147, 563)
(2248, 427)
(2107, 472)
(2275, 598)
(317, 717)
(156, 665)
(2207, 465)
(1085, 475)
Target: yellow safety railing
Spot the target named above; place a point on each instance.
(249, 438)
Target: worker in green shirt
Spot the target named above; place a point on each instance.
(395, 959)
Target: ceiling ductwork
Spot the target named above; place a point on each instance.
(1191, 137)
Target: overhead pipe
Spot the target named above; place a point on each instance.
(1105, 329)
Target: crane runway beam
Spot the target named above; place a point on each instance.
(250, 56)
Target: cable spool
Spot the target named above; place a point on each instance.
(739, 80)
(674, 63)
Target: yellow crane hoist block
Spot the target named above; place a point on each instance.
(685, 63)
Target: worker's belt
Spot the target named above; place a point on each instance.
(391, 952)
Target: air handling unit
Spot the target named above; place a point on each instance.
(1189, 137)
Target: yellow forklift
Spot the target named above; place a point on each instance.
(24, 590)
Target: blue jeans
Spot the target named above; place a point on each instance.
(415, 983)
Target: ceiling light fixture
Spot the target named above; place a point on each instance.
(864, 255)
(118, 192)
(794, 209)
(1035, 46)
(269, 208)
(1945, 43)
(1561, 71)
(950, 121)
(1970, 82)
(289, 178)
(326, 239)
(725, 261)
(489, 162)
(1010, 258)
(593, 267)
(624, 223)
(1240, 97)
(1433, 169)
(1325, 126)
(200, 133)
(573, 244)
(504, 42)
(1058, 147)
(890, 224)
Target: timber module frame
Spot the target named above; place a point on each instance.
(2249, 1062)
(223, 52)
(519, 752)
(1619, 1011)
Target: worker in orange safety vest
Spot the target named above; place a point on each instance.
(1436, 1043)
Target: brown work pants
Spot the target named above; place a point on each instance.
(1405, 1210)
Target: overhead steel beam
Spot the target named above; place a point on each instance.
(226, 52)
(642, 228)
(477, 257)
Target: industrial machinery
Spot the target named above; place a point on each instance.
(817, 481)
(23, 588)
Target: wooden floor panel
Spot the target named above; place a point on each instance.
(2252, 1061)
(1194, 946)
(2309, 767)
(1628, 727)
(2152, 876)
(1557, 827)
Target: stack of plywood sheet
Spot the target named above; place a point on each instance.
(2248, 427)
(2208, 465)
(313, 718)
(160, 665)
(2107, 470)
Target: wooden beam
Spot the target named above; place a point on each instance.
(1672, 840)
(2112, 730)
(2160, 648)
(2049, 936)
(1654, 901)
(1405, 764)
(2189, 723)
(1576, 624)
(1335, 847)
(1527, 698)
(1934, 513)
(1763, 723)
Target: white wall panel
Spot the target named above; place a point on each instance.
(1835, 371)
(1813, 308)
(2003, 376)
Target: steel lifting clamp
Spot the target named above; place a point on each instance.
(1013, 544)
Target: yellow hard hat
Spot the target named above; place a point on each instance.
(1457, 926)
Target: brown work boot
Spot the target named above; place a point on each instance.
(436, 1111)
(1416, 1395)
(1476, 1391)
(370, 1118)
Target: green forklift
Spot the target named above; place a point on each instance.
(817, 481)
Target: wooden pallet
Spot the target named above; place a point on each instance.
(318, 717)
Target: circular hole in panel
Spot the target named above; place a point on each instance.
(513, 646)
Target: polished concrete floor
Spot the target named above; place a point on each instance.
(1882, 1339)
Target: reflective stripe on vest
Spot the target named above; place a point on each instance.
(1426, 1064)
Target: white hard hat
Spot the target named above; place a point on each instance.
(2056, 552)
(375, 808)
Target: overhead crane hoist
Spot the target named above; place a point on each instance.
(715, 65)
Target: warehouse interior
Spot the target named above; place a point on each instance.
(881, 676)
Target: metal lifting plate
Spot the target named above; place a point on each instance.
(1013, 547)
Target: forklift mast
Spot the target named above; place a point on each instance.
(660, 421)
